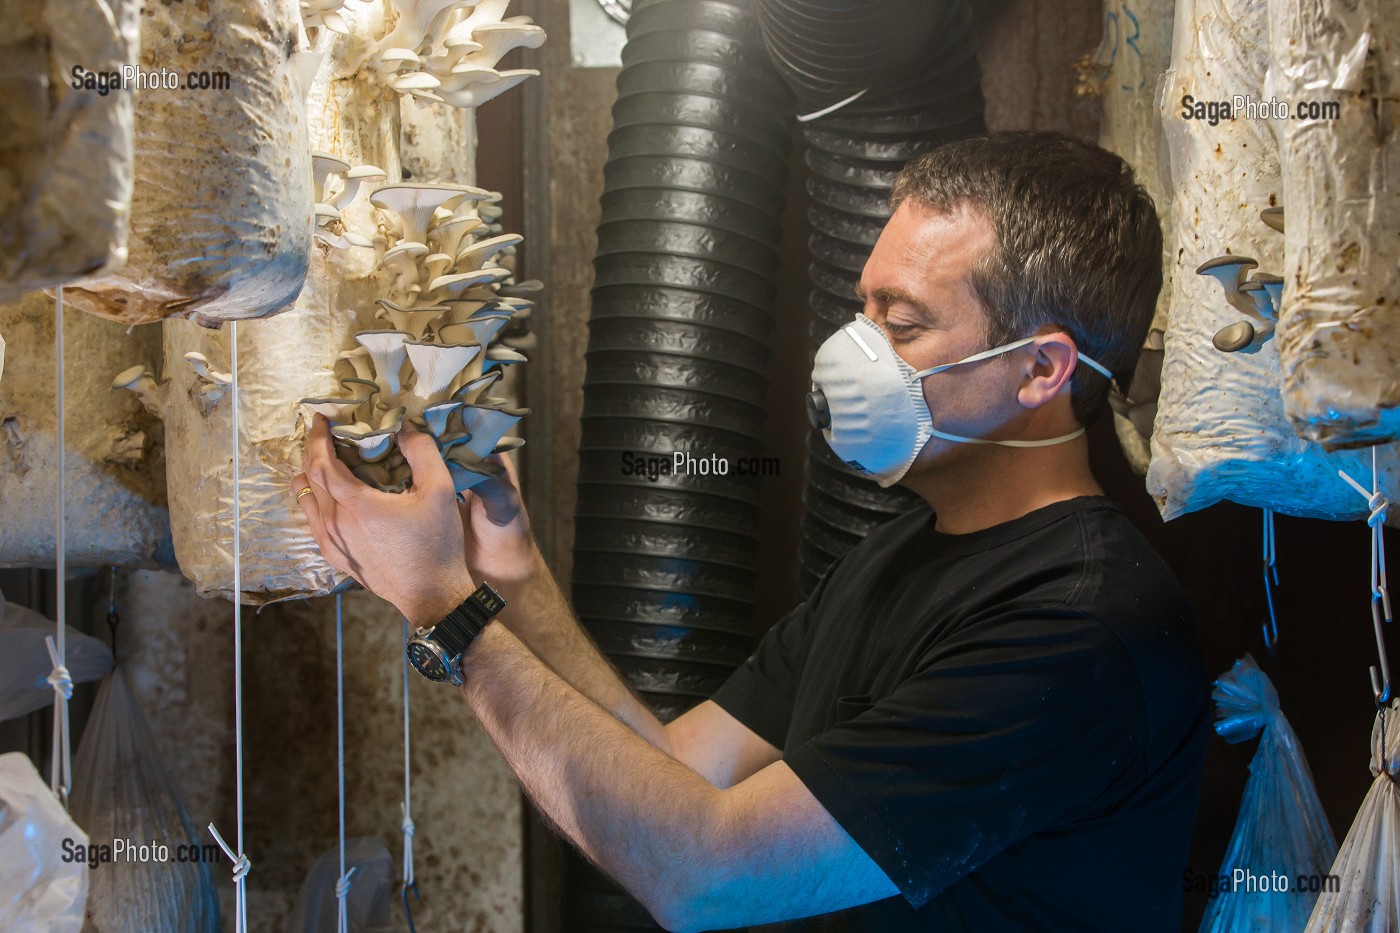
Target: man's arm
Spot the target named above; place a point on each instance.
(706, 738)
(698, 856)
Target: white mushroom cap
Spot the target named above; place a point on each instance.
(498, 39)
(480, 329)
(435, 417)
(502, 356)
(324, 164)
(354, 178)
(415, 203)
(386, 349)
(136, 378)
(470, 390)
(446, 286)
(358, 358)
(411, 321)
(436, 365)
(476, 255)
(372, 445)
(465, 477)
(486, 425)
(447, 234)
(335, 410)
(201, 367)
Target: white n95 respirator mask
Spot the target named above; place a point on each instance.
(869, 403)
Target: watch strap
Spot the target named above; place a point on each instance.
(460, 627)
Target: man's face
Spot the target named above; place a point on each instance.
(916, 287)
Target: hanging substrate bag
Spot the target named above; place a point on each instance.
(1281, 832)
(122, 792)
(38, 889)
(1367, 900)
(221, 205)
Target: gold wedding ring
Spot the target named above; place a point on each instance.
(303, 491)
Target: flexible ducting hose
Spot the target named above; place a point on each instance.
(907, 72)
(665, 562)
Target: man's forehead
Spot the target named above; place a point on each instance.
(923, 252)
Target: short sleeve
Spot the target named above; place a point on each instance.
(761, 691)
(1010, 725)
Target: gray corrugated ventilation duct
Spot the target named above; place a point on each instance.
(664, 563)
(908, 87)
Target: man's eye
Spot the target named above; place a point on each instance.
(899, 330)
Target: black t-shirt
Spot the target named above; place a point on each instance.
(1011, 723)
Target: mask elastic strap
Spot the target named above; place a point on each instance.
(1047, 442)
(1007, 348)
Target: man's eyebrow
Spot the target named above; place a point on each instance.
(892, 296)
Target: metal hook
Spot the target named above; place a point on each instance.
(408, 911)
(1380, 687)
(1270, 628)
(1380, 594)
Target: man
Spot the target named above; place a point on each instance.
(990, 715)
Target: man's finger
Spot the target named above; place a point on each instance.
(325, 468)
(316, 506)
(424, 459)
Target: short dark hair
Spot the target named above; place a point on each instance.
(1079, 245)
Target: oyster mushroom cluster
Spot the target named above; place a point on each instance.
(1258, 296)
(447, 50)
(327, 168)
(438, 354)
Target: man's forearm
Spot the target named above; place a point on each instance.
(539, 615)
(645, 818)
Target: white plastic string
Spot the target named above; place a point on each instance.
(1380, 594)
(1270, 581)
(342, 884)
(61, 756)
(407, 804)
(817, 114)
(241, 865)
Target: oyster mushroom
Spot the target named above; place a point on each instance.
(402, 263)
(497, 39)
(335, 410)
(415, 19)
(479, 328)
(502, 356)
(386, 350)
(213, 384)
(411, 321)
(354, 178)
(415, 203)
(1273, 285)
(436, 264)
(517, 289)
(359, 359)
(465, 475)
(436, 365)
(1230, 271)
(486, 426)
(138, 379)
(323, 165)
(435, 417)
(453, 286)
(447, 234)
(476, 255)
(470, 390)
(1273, 216)
(371, 444)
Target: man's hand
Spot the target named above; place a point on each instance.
(499, 547)
(407, 547)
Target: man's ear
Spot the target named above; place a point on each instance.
(1051, 361)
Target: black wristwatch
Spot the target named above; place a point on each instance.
(436, 652)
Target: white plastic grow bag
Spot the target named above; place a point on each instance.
(221, 209)
(65, 152)
(1221, 431)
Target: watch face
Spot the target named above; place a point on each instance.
(426, 661)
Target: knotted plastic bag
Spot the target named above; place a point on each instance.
(1281, 832)
(123, 795)
(25, 664)
(367, 904)
(1367, 899)
(38, 889)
